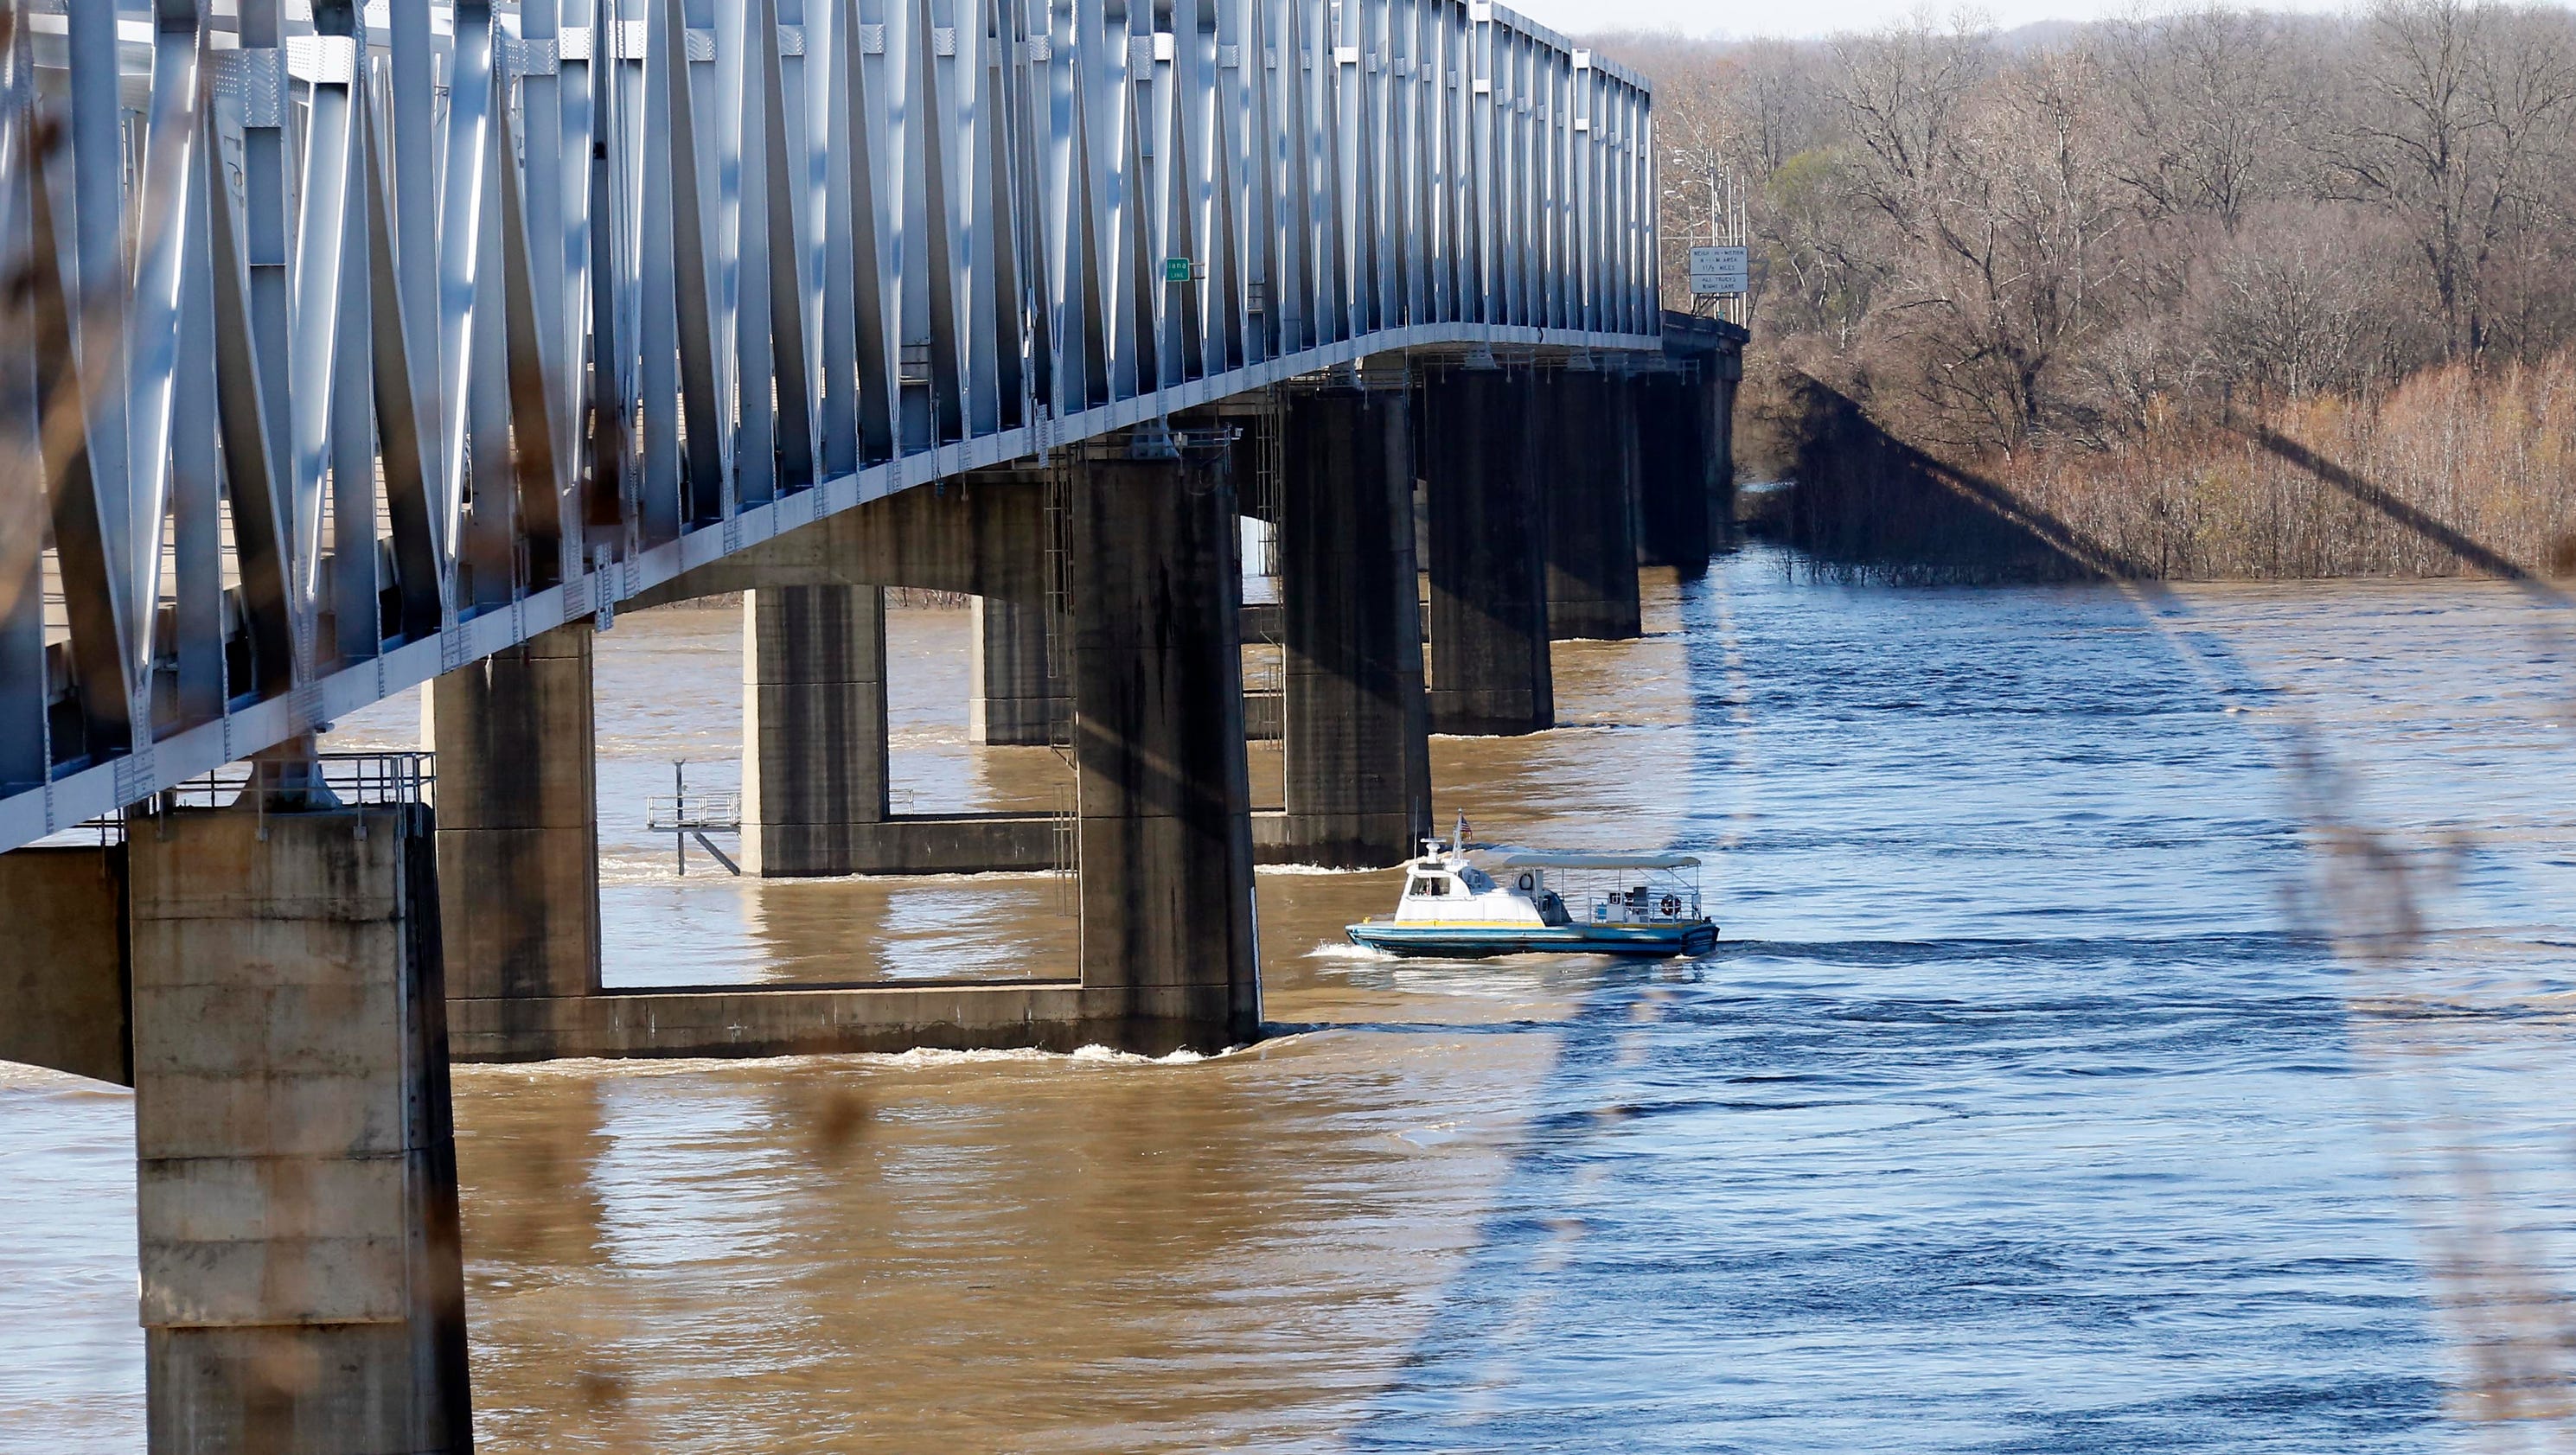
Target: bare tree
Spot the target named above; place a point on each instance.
(1900, 91)
(2208, 100)
(2457, 108)
(2104, 227)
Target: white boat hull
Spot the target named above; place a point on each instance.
(1462, 941)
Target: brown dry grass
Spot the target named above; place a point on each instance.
(2491, 456)
(2454, 472)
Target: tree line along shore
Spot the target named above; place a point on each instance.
(2213, 294)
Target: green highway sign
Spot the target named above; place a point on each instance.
(1176, 270)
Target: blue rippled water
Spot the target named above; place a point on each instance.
(2021, 1118)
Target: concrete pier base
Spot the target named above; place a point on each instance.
(302, 1289)
(1592, 509)
(814, 766)
(1489, 671)
(1046, 1015)
(813, 725)
(1168, 955)
(1356, 758)
(1012, 698)
(1726, 376)
(518, 819)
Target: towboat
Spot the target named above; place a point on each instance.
(1570, 903)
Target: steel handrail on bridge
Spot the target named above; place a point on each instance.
(343, 344)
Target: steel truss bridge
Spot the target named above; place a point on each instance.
(344, 344)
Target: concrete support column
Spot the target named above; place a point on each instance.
(1168, 957)
(63, 994)
(1013, 698)
(1356, 751)
(518, 819)
(1591, 522)
(302, 1290)
(1674, 470)
(1726, 370)
(1489, 671)
(813, 727)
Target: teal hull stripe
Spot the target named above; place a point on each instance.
(1574, 939)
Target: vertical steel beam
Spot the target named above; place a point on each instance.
(548, 550)
(321, 253)
(784, 366)
(460, 195)
(357, 614)
(196, 473)
(404, 431)
(168, 216)
(96, 277)
(262, 532)
(25, 764)
(265, 248)
(93, 591)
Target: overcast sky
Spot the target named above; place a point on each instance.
(1738, 18)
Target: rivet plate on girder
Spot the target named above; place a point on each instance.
(324, 60)
(253, 77)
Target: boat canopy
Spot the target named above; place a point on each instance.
(1541, 859)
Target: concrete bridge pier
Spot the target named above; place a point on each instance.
(813, 726)
(1592, 508)
(1356, 754)
(302, 1287)
(1165, 818)
(1726, 376)
(518, 819)
(1489, 671)
(814, 761)
(1013, 698)
(1672, 469)
(1685, 479)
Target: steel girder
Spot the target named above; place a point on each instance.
(347, 343)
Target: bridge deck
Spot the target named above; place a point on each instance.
(658, 280)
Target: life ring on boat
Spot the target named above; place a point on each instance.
(1528, 882)
(1672, 905)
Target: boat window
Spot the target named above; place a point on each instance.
(1475, 880)
(1428, 884)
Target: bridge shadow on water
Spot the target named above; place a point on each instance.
(1444, 1389)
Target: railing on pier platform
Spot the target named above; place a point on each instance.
(686, 815)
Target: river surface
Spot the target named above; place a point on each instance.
(2032, 1103)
